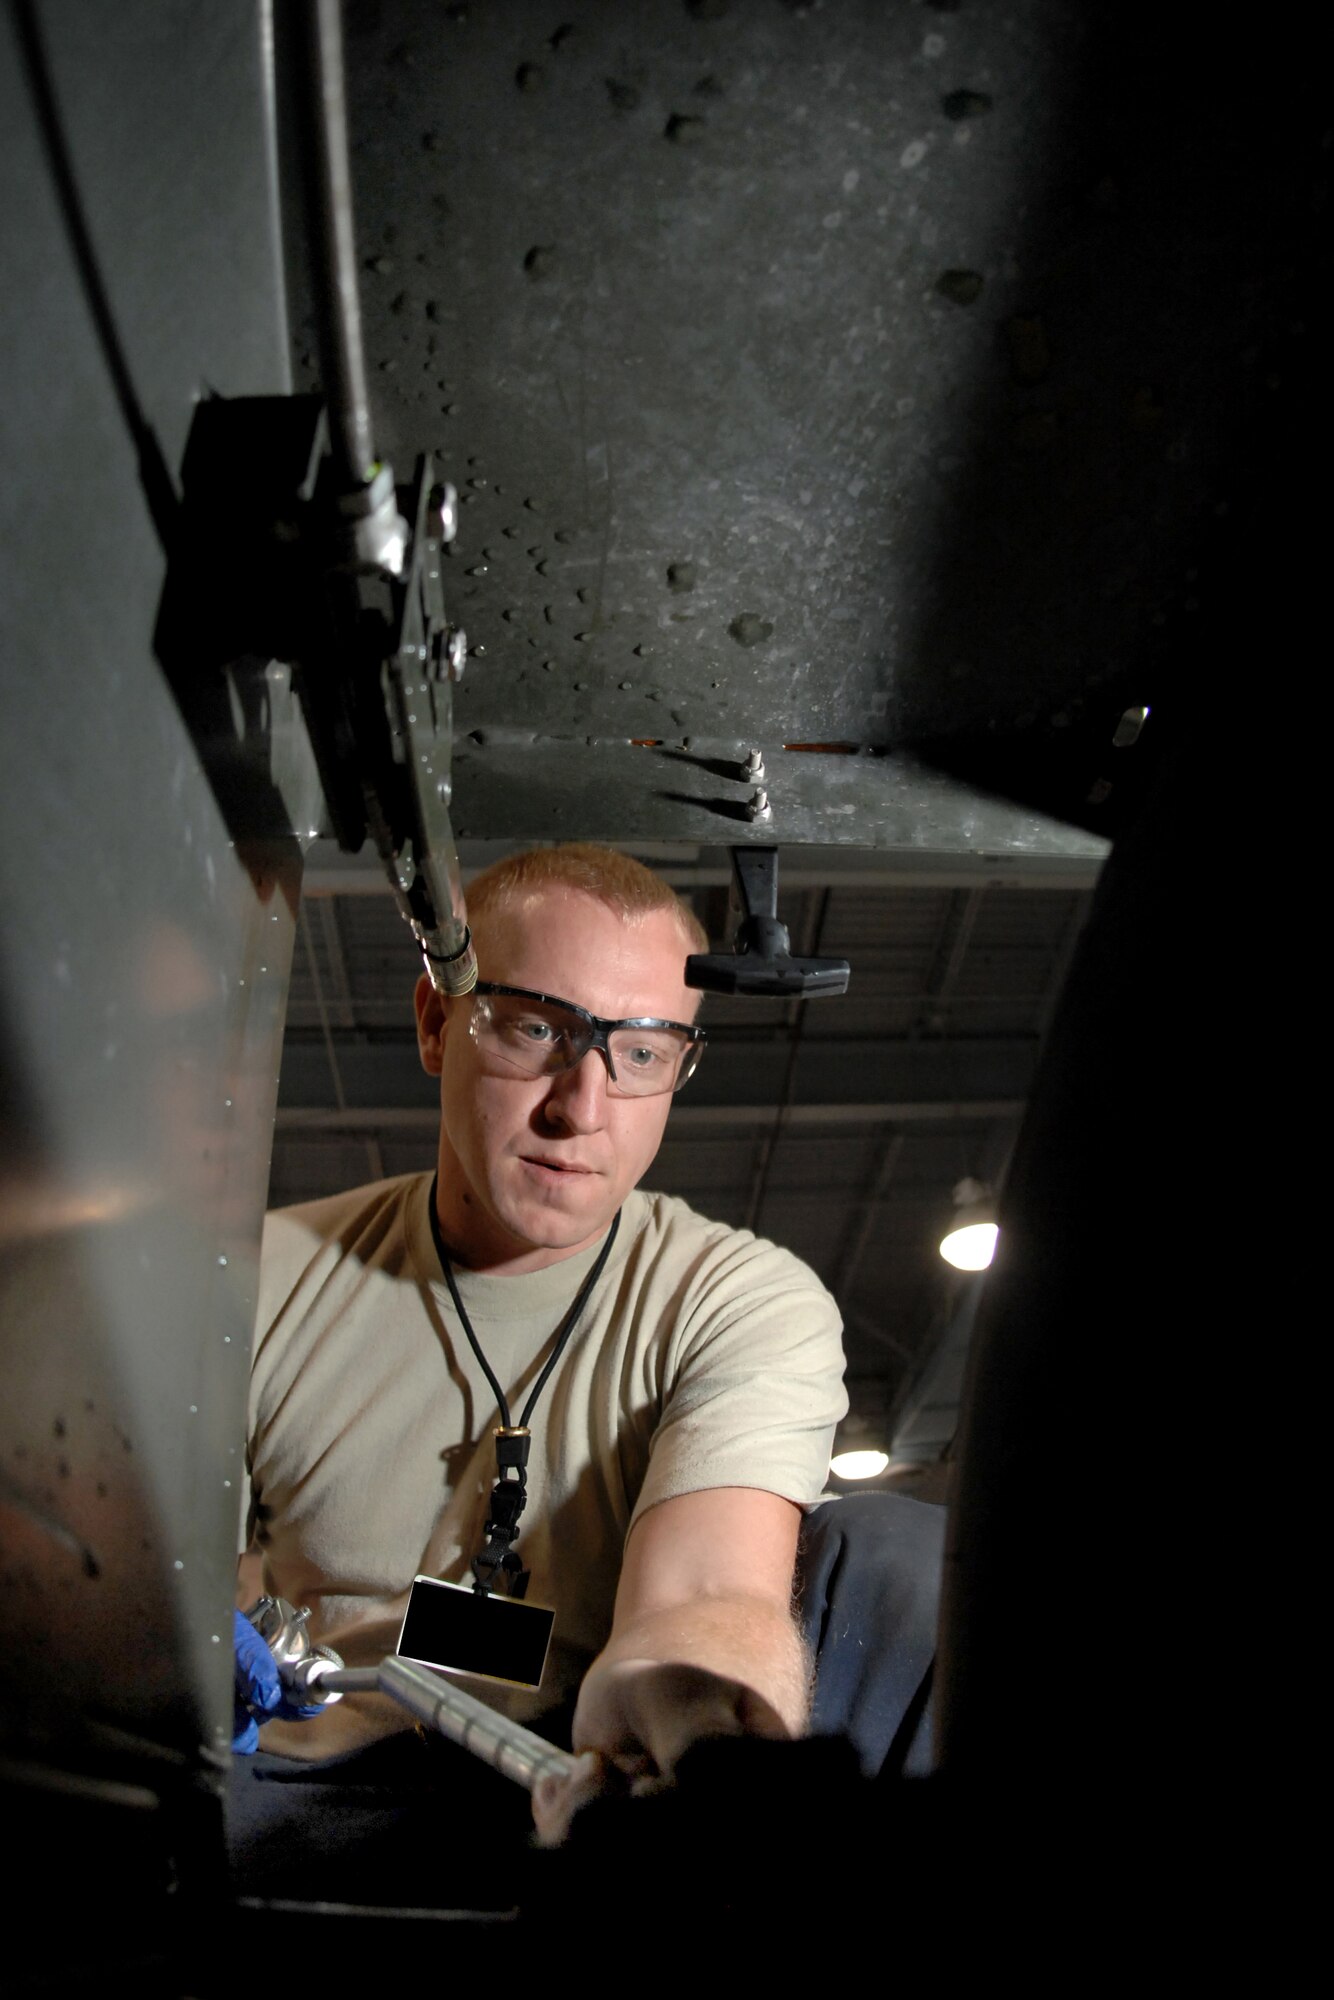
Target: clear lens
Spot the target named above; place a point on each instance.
(543, 1038)
(535, 1035)
(647, 1060)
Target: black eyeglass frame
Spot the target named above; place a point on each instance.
(600, 1030)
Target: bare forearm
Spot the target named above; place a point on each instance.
(751, 1649)
(703, 1641)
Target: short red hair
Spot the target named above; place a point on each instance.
(616, 879)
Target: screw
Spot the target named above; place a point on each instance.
(753, 768)
(758, 807)
(445, 510)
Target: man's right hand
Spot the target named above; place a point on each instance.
(259, 1691)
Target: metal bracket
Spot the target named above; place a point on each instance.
(409, 813)
(263, 571)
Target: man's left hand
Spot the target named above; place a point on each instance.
(705, 1597)
(635, 1719)
(641, 1715)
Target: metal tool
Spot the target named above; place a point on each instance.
(284, 1631)
(296, 554)
(513, 1750)
(315, 1675)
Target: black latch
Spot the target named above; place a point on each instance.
(760, 960)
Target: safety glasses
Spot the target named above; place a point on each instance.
(543, 1036)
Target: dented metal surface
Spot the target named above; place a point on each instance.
(834, 373)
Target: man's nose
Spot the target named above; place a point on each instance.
(578, 1096)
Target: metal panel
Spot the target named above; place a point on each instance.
(535, 783)
(847, 374)
(144, 950)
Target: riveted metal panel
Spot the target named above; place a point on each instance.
(144, 950)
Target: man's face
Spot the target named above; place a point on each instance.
(533, 1168)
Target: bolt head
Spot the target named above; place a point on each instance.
(444, 514)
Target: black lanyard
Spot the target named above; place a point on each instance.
(497, 1563)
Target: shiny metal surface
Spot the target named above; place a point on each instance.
(410, 819)
(329, 238)
(144, 948)
(513, 1750)
(285, 1630)
(512, 782)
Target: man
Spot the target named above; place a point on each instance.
(688, 1421)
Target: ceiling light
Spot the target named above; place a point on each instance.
(970, 1241)
(859, 1464)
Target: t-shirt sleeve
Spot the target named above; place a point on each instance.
(296, 1256)
(755, 1384)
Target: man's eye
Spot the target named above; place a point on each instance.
(530, 1029)
(643, 1056)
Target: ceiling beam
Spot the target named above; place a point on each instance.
(857, 1070)
(694, 1121)
(330, 872)
(862, 1225)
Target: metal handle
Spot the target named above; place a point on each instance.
(513, 1750)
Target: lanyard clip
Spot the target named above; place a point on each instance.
(512, 1442)
(497, 1562)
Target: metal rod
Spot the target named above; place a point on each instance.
(512, 1749)
(687, 1119)
(337, 302)
(760, 1182)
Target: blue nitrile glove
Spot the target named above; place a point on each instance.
(259, 1691)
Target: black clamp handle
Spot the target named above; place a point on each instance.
(760, 960)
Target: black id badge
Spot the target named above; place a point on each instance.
(463, 1631)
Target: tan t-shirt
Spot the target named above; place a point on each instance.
(705, 1357)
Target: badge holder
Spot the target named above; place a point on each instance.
(472, 1631)
(462, 1631)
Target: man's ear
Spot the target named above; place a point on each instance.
(432, 1022)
